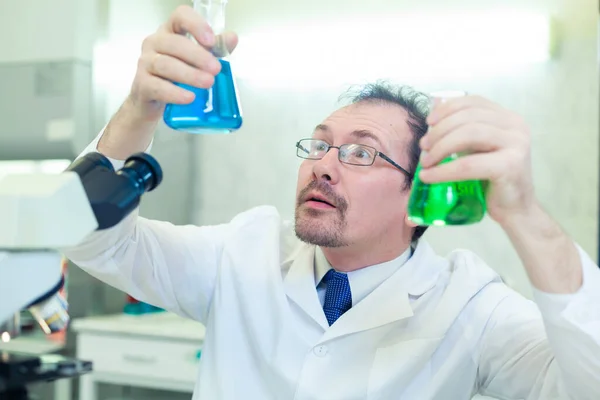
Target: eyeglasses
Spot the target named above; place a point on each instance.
(353, 154)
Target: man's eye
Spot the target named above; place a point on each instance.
(321, 147)
(361, 153)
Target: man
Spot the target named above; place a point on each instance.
(358, 308)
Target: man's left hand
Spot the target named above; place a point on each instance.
(496, 144)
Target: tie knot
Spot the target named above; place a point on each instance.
(333, 276)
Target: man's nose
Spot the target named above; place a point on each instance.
(327, 168)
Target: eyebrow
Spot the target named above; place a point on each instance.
(360, 133)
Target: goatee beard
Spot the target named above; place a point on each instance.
(321, 227)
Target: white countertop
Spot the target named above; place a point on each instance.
(158, 325)
(32, 344)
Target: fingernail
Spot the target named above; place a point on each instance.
(423, 156)
(209, 38)
(214, 65)
(431, 119)
(189, 96)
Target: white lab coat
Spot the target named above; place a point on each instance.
(438, 328)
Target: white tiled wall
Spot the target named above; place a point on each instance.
(559, 100)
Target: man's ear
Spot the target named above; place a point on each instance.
(409, 222)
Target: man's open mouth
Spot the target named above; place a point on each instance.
(318, 202)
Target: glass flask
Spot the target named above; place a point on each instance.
(217, 109)
(446, 203)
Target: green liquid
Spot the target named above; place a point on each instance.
(446, 203)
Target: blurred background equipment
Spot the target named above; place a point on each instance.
(54, 99)
(39, 213)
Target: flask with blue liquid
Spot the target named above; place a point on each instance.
(217, 109)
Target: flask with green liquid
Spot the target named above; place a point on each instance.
(446, 203)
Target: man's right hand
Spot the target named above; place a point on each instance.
(168, 56)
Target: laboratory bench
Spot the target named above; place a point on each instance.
(155, 351)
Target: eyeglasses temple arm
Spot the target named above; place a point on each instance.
(386, 158)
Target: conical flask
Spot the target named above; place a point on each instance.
(214, 110)
(446, 203)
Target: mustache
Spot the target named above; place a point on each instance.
(326, 190)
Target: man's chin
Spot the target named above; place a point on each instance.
(316, 231)
(307, 210)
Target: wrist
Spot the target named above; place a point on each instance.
(523, 217)
(548, 254)
(135, 113)
(129, 131)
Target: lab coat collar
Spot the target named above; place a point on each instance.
(421, 272)
(299, 283)
(387, 303)
(362, 281)
(390, 302)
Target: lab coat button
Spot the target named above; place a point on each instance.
(320, 351)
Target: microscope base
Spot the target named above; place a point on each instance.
(19, 370)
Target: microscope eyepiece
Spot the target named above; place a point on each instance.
(114, 195)
(144, 169)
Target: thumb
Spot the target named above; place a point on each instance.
(231, 40)
(225, 44)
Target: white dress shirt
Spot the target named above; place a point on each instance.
(436, 328)
(362, 281)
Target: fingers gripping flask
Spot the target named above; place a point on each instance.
(217, 109)
(446, 203)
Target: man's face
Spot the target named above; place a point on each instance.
(366, 203)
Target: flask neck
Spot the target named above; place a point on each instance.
(213, 12)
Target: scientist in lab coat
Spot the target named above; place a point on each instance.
(346, 302)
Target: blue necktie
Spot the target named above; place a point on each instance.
(338, 298)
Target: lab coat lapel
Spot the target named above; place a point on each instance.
(390, 301)
(300, 287)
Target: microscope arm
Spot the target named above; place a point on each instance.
(24, 277)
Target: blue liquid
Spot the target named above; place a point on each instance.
(214, 110)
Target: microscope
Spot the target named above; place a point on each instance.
(40, 213)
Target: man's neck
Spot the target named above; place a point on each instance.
(352, 258)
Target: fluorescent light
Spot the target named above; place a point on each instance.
(425, 47)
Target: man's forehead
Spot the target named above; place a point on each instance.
(385, 120)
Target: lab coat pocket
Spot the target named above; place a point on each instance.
(401, 365)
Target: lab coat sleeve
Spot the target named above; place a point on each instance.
(549, 349)
(93, 146)
(172, 267)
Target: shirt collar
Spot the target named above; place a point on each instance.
(362, 281)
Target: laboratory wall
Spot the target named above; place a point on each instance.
(558, 98)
